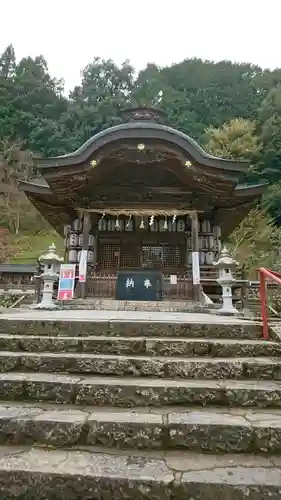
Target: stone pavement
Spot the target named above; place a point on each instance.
(125, 316)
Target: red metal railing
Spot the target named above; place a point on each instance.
(266, 274)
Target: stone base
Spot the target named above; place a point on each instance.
(45, 307)
(227, 311)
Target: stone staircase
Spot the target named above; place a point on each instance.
(101, 410)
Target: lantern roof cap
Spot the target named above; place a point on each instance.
(51, 255)
(225, 260)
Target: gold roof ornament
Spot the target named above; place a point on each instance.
(50, 256)
(188, 164)
(94, 163)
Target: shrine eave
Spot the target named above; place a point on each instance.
(58, 213)
(48, 205)
(34, 187)
(250, 190)
(140, 132)
(46, 192)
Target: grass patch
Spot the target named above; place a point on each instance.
(28, 247)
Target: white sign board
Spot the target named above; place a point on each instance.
(173, 279)
(83, 266)
(195, 268)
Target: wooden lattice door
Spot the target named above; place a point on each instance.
(109, 255)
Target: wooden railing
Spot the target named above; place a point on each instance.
(265, 275)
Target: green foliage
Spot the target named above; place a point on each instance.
(196, 95)
(235, 139)
(95, 104)
(31, 103)
(256, 242)
(269, 127)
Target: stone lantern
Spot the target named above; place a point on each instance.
(226, 267)
(51, 262)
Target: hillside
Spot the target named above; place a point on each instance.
(28, 247)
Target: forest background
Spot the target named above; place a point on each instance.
(232, 110)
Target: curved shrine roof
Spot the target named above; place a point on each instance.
(139, 131)
(149, 163)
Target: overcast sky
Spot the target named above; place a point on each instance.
(71, 33)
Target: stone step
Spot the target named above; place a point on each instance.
(133, 391)
(215, 430)
(137, 305)
(200, 326)
(142, 366)
(141, 345)
(87, 475)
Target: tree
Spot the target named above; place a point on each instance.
(236, 139)
(96, 103)
(217, 93)
(8, 63)
(256, 242)
(16, 164)
(30, 101)
(270, 135)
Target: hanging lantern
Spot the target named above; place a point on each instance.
(174, 218)
(102, 223)
(128, 223)
(151, 220)
(142, 223)
(102, 217)
(117, 223)
(166, 223)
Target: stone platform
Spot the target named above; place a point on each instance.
(138, 405)
(135, 305)
(124, 316)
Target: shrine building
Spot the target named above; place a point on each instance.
(142, 200)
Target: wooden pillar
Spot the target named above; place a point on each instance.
(85, 246)
(187, 250)
(195, 257)
(95, 249)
